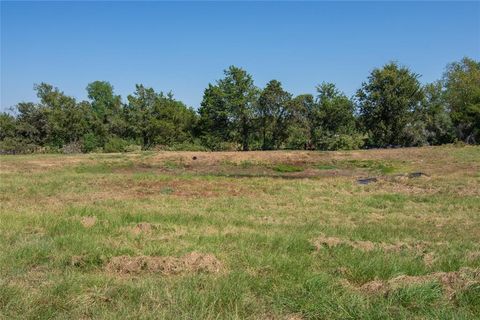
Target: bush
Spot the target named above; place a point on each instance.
(16, 145)
(214, 143)
(187, 146)
(459, 143)
(90, 142)
(341, 142)
(115, 144)
(133, 148)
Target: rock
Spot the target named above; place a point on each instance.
(366, 180)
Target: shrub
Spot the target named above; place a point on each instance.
(187, 146)
(115, 144)
(90, 142)
(16, 145)
(133, 148)
(214, 143)
(341, 142)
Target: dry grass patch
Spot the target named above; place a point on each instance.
(137, 189)
(452, 282)
(193, 262)
(323, 241)
(89, 222)
(142, 227)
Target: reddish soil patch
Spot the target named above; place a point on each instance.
(193, 262)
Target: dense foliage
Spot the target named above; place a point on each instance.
(391, 108)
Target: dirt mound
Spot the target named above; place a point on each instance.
(191, 262)
(89, 222)
(451, 282)
(142, 227)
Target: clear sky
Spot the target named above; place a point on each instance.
(184, 46)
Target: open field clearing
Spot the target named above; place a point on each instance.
(256, 235)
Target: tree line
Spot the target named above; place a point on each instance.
(391, 108)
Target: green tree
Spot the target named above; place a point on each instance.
(66, 120)
(462, 94)
(274, 112)
(138, 113)
(386, 103)
(333, 120)
(32, 123)
(335, 110)
(214, 125)
(7, 126)
(230, 104)
(108, 117)
(156, 118)
(240, 95)
(301, 129)
(10, 141)
(434, 116)
(104, 101)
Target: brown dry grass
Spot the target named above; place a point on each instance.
(452, 282)
(192, 262)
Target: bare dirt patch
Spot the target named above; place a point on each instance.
(89, 222)
(451, 282)
(193, 262)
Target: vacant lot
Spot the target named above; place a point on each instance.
(260, 235)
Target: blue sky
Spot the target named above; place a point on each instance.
(182, 46)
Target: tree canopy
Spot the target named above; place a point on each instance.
(391, 108)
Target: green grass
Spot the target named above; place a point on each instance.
(261, 228)
(326, 167)
(285, 168)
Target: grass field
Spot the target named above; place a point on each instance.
(254, 235)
